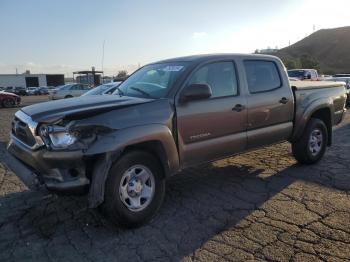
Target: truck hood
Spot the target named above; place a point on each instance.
(79, 107)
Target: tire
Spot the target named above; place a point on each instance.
(310, 148)
(8, 102)
(120, 211)
(68, 96)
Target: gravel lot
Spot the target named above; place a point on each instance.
(257, 206)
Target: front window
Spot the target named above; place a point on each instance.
(65, 87)
(220, 76)
(152, 81)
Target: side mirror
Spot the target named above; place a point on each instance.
(196, 92)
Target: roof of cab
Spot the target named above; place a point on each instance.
(204, 57)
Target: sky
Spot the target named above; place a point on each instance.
(62, 36)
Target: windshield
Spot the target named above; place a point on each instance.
(296, 73)
(152, 81)
(99, 90)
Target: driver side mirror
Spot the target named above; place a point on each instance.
(196, 92)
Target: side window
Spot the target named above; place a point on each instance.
(220, 76)
(262, 76)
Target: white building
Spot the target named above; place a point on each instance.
(30, 80)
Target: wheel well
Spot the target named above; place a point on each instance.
(324, 114)
(155, 148)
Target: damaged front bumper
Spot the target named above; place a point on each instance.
(63, 171)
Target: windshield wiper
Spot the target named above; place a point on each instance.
(141, 91)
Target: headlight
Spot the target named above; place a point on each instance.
(58, 136)
(62, 139)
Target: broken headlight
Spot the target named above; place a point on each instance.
(57, 136)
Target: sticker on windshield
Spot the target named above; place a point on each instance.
(172, 68)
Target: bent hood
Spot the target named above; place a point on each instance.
(80, 106)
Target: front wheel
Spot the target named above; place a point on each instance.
(134, 190)
(310, 148)
(8, 102)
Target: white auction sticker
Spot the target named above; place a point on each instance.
(172, 68)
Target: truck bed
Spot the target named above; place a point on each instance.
(305, 85)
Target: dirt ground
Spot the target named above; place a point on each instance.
(257, 206)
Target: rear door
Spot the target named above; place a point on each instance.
(215, 127)
(270, 103)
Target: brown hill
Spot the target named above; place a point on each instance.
(329, 47)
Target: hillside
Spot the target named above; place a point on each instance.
(329, 47)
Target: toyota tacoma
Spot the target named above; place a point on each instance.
(168, 116)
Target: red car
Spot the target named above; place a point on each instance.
(9, 99)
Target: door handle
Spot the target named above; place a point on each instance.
(284, 100)
(238, 108)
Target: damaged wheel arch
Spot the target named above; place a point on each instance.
(156, 139)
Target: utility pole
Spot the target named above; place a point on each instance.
(103, 56)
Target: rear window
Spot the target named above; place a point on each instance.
(262, 76)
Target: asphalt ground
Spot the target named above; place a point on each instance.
(256, 206)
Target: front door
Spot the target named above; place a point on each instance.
(212, 128)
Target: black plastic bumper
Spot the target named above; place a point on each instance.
(59, 170)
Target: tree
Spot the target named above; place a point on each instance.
(308, 61)
(290, 64)
(122, 74)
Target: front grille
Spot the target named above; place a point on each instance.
(22, 131)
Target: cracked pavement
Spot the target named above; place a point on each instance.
(253, 207)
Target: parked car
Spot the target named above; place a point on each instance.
(9, 99)
(9, 89)
(168, 116)
(346, 80)
(20, 90)
(303, 74)
(105, 89)
(69, 91)
(341, 75)
(41, 91)
(31, 91)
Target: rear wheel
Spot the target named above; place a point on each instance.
(134, 189)
(68, 96)
(310, 148)
(8, 102)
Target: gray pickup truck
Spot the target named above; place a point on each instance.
(168, 116)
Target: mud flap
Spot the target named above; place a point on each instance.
(99, 176)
